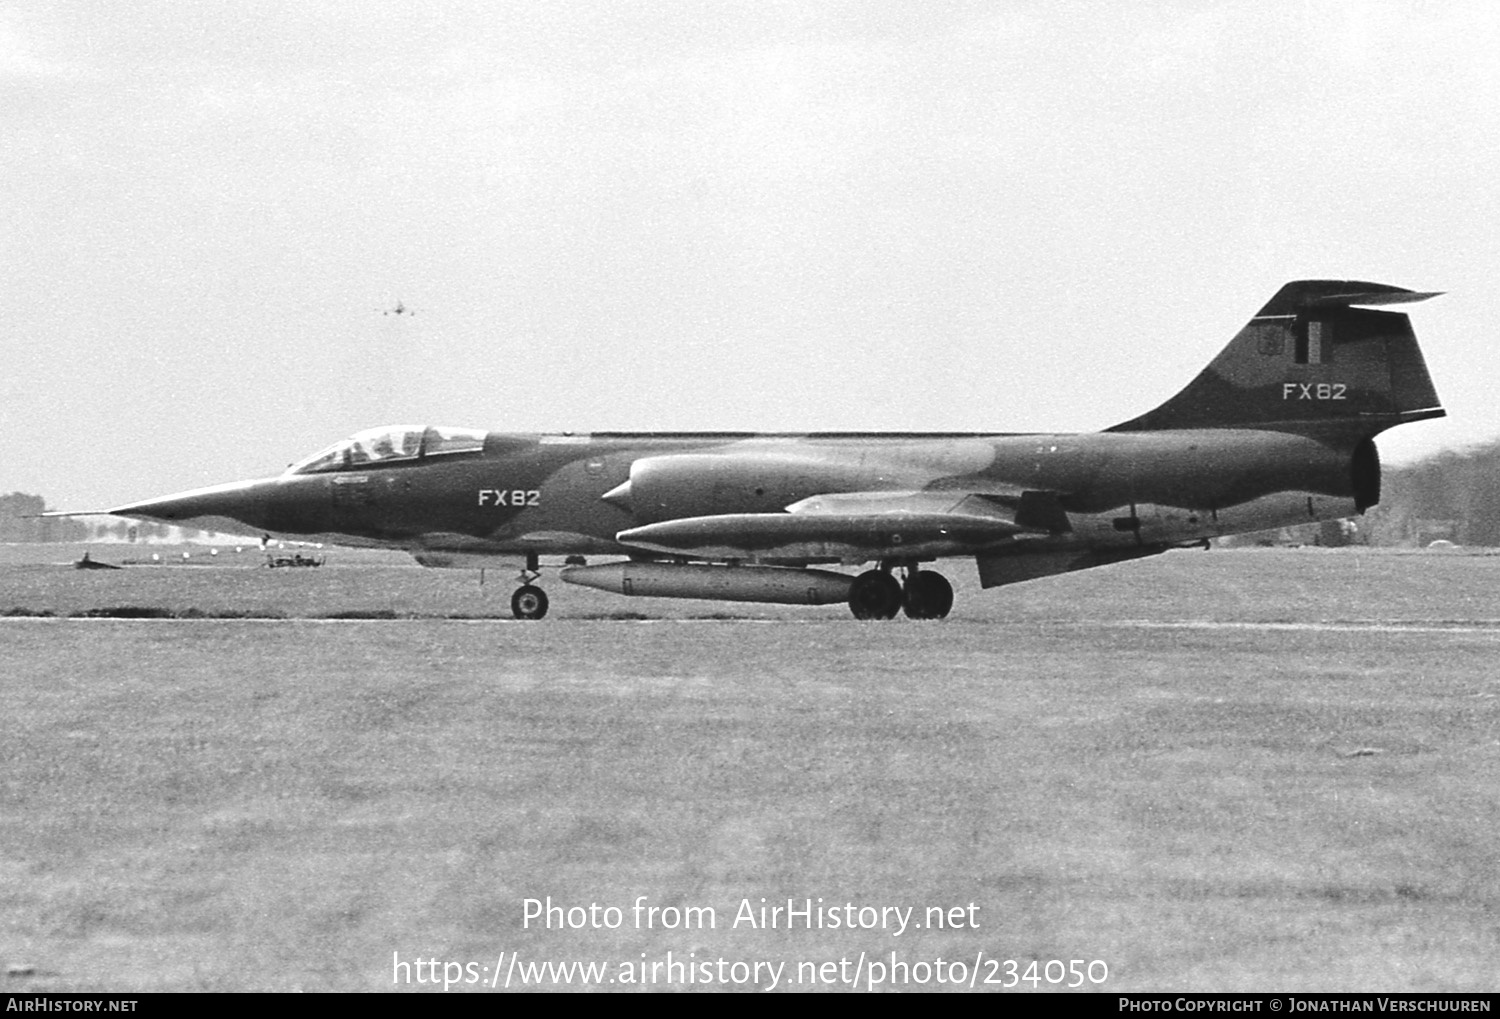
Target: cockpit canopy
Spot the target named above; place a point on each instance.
(389, 443)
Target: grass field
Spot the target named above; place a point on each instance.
(1246, 770)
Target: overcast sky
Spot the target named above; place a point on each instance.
(692, 215)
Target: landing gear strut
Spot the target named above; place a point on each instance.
(529, 601)
(875, 594)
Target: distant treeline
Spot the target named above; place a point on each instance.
(1453, 496)
(16, 508)
(14, 526)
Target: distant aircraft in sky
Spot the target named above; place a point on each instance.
(1276, 431)
(399, 309)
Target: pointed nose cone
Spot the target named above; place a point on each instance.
(241, 501)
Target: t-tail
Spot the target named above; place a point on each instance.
(1316, 356)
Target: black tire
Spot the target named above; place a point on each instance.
(928, 595)
(875, 594)
(529, 602)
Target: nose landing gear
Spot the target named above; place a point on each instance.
(529, 601)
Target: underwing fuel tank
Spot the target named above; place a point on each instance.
(782, 585)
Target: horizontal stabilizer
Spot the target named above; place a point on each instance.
(1371, 299)
(1301, 295)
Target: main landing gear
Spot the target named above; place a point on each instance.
(529, 601)
(875, 594)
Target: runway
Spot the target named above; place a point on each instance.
(1203, 799)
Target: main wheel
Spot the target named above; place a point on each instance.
(875, 594)
(529, 602)
(928, 595)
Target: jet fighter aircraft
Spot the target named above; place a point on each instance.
(1276, 431)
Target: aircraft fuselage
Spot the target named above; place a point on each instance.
(546, 494)
(1277, 430)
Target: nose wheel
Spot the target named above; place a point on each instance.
(529, 601)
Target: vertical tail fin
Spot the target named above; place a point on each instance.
(1310, 356)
